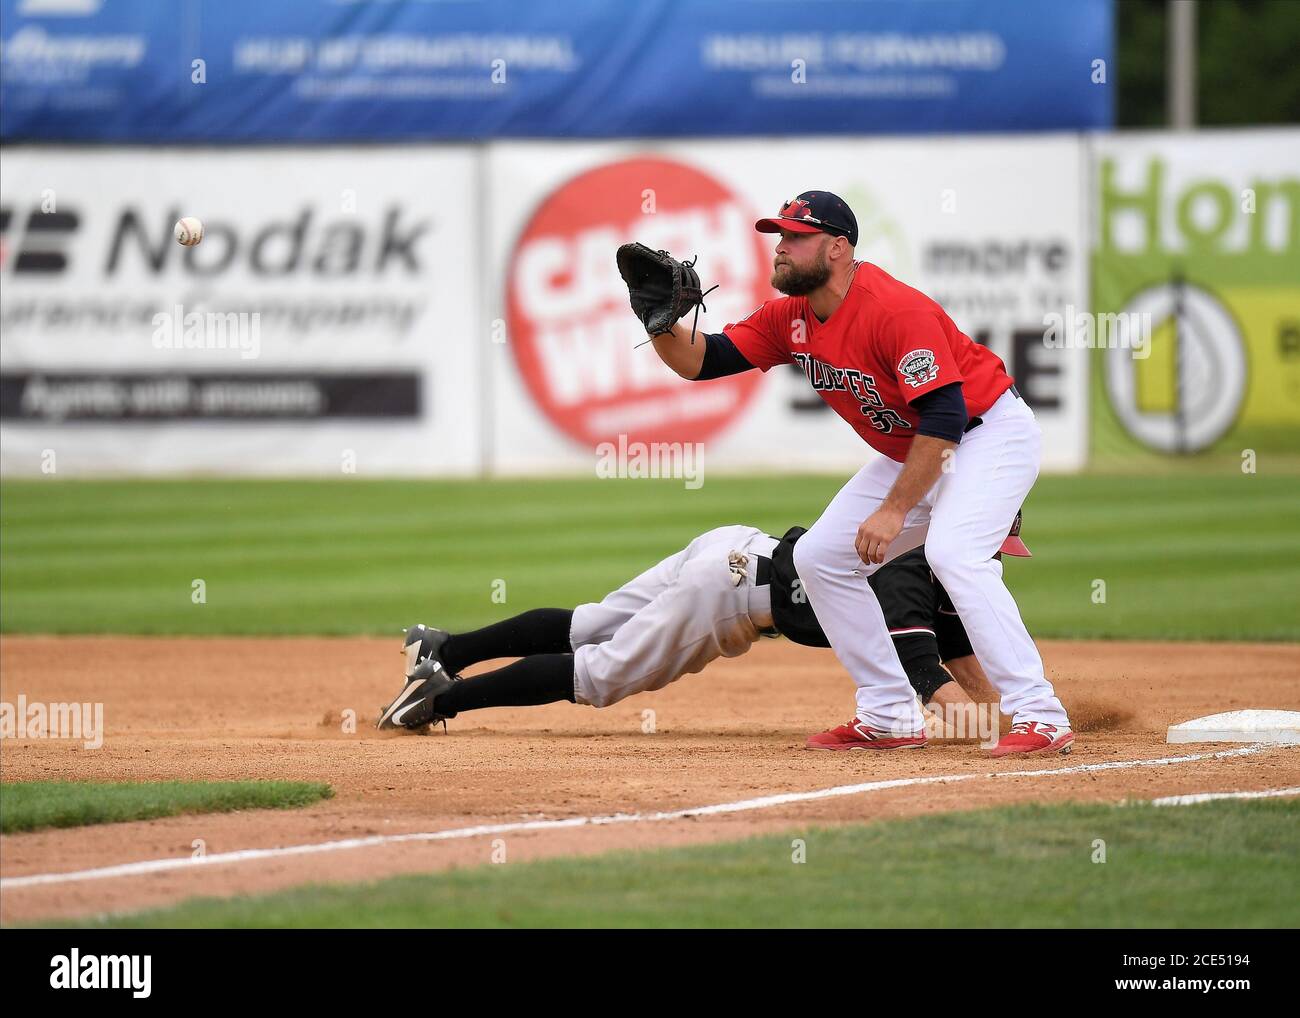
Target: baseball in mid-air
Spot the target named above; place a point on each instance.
(188, 231)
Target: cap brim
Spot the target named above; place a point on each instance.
(781, 223)
(1015, 546)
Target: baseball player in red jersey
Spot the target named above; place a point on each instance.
(960, 450)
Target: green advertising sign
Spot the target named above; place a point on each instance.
(1197, 264)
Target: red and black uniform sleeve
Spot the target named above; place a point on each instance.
(919, 353)
(943, 412)
(721, 358)
(762, 336)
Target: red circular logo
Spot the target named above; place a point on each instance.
(571, 329)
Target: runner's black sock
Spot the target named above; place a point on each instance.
(542, 678)
(540, 631)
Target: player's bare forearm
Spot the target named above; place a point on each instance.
(677, 351)
(920, 471)
(970, 676)
(950, 694)
(948, 701)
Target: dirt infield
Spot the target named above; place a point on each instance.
(221, 709)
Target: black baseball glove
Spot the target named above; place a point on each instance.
(660, 288)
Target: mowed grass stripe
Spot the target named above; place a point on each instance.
(314, 520)
(1197, 557)
(1216, 865)
(35, 805)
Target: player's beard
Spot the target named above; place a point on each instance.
(794, 282)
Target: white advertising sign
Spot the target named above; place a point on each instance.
(992, 228)
(325, 324)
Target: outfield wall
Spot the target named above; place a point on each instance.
(455, 310)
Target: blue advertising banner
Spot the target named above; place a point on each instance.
(387, 70)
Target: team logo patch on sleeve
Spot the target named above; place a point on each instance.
(918, 367)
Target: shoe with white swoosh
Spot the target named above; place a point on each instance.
(414, 706)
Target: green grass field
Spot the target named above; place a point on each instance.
(33, 805)
(1214, 555)
(1216, 865)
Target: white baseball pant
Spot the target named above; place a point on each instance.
(676, 617)
(962, 521)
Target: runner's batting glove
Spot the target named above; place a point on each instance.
(660, 288)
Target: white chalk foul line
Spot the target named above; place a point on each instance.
(1191, 800)
(132, 869)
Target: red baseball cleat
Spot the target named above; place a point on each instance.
(1034, 737)
(857, 734)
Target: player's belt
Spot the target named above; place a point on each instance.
(975, 422)
(762, 578)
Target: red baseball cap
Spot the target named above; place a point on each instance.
(814, 212)
(1013, 545)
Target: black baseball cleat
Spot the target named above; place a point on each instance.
(413, 707)
(423, 642)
